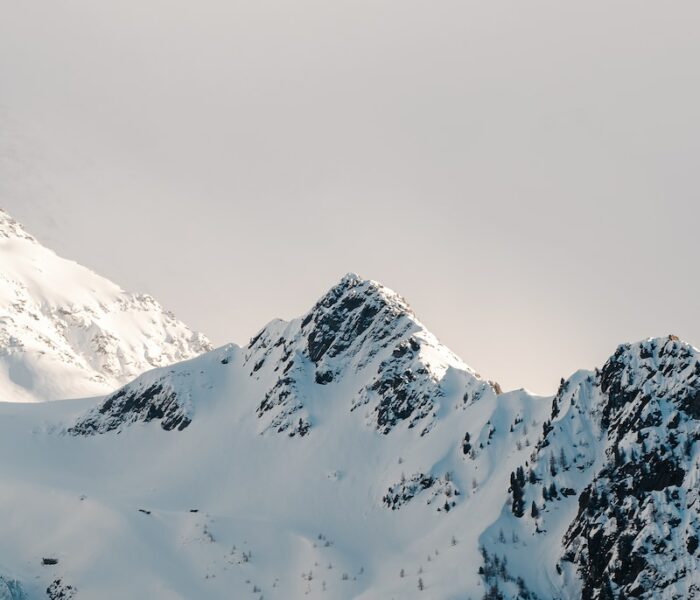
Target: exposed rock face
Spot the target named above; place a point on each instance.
(614, 478)
(358, 331)
(441, 492)
(132, 404)
(635, 534)
(60, 591)
(165, 396)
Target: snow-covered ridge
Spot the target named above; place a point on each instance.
(66, 332)
(360, 347)
(346, 454)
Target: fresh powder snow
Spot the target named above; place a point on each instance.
(344, 454)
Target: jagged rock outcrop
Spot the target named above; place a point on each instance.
(58, 590)
(636, 531)
(132, 404)
(361, 331)
(165, 396)
(441, 492)
(614, 476)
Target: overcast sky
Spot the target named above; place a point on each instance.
(525, 173)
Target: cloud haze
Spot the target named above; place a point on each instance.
(525, 173)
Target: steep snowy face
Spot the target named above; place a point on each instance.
(614, 479)
(67, 332)
(636, 531)
(360, 338)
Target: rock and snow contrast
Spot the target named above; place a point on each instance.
(66, 332)
(348, 454)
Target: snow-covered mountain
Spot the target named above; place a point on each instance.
(348, 454)
(66, 332)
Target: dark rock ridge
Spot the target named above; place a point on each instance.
(629, 431)
(163, 396)
(359, 326)
(135, 403)
(635, 534)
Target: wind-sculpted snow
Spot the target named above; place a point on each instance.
(65, 332)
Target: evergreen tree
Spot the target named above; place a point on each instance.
(606, 592)
(466, 444)
(563, 461)
(493, 593)
(516, 489)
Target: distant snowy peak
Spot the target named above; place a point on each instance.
(67, 332)
(9, 228)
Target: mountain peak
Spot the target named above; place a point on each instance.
(366, 335)
(354, 311)
(352, 291)
(67, 332)
(10, 228)
(653, 352)
(655, 368)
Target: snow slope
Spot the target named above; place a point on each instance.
(348, 454)
(66, 332)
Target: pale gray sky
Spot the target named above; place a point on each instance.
(526, 174)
